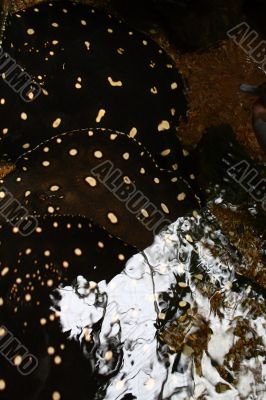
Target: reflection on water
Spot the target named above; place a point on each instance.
(176, 323)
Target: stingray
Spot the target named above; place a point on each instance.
(92, 71)
(96, 194)
(31, 268)
(103, 175)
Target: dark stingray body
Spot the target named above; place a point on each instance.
(59, 177)
(60, 249)
(94, 71)
(65, 370)
(32, 267)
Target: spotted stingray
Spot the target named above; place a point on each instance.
(31, 267)
(103, 175)
(93, 71)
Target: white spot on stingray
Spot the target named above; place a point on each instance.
(98, 154)
(56, 396)
(185, 153)
(30, 31)
(87, 44)
(112, 217)
(126, 156)
(57, 360)
(165, 152)
(23, 116)
(30, 95)
(163, 126)
(181, 196)
(91, 181)
(133, 132)
(164, 208)
(28, 297)
(114, 83)
(17, 360)
(73, 152)
(50, 350)
(54, 188)
(100, 115)
(78, 252)
(174, 85)
(57, 122)
(4, 271)
(144, 213)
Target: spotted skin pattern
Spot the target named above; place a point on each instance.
(94, 71)
(59, 249)
(31, 268)
(57, 177)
